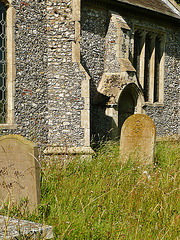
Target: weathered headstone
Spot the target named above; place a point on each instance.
(138, 139)
(19, 172)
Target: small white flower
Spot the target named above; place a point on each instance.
(146, 173)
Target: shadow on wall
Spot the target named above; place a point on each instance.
(106, 119)
(127, 103)
(104, 127)
(94, 29)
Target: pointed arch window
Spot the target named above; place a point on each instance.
(149, 47)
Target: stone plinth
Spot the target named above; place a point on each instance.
(138, 139)
(22, 229)
(19, 171)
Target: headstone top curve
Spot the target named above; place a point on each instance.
(140, 116)
(137, 123)
(19, 138)
(19, 170)
(137, 139)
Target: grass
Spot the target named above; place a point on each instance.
(103, 199)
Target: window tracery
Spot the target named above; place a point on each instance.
(149, 63)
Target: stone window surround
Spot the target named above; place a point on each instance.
(153, 33)
(11, 70)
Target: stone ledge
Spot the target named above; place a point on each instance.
(71, 151)
(155, 104)
(8, 126)
(17, 229)
(170, 138)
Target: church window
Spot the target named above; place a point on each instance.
(7, 65)
(149, 63)
(148, 53)
(158, 56)
(137, 51)
(3, 63)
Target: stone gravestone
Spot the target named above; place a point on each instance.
(19, 172)
(138, 139)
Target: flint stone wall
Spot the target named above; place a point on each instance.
(64, 78)
(166, 117)
(97, 32)
(47, 101)
(31, 85)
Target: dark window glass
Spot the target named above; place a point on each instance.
(137, 52)
(148, 53)
(157, 68)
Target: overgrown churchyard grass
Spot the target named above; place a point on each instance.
(103, 199)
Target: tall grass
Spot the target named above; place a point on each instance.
(104, 199)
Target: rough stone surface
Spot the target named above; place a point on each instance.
(137, 139)
(166, 117)
(98, 56)
(30, 97)
(19, 172)
(99, 34)
(22, 229)
(64, 78)
(48, 100)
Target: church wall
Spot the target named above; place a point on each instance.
(93, 40)
(166, 117)
(48, 95)
(30, 86)
(51, 101)
(64, 78)
(99, 37)
(98, 57)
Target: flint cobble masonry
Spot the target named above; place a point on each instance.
(64, 78)
(166, 116)
(30, 97)
(47, 100)
(48, 96)
(95, 40)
